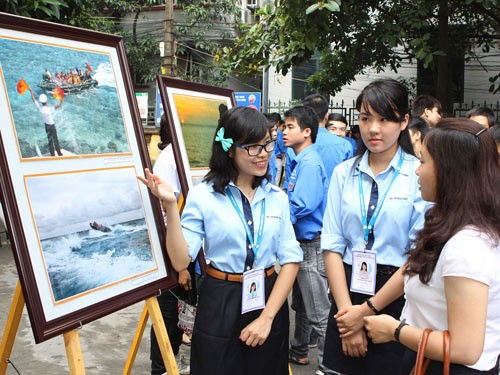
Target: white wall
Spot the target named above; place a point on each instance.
(475, 81)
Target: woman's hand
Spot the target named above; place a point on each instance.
(381, 328)
(350, 319)
(356, 345)
(256, 332)
(185, 280)
(158, 187)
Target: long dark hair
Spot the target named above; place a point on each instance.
(244, 126)
(389, 98)
(165, 136)
(467, 179)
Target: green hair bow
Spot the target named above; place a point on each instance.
(225, 142)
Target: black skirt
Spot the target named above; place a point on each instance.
(216, 347)
(381, 359)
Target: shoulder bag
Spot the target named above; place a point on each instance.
(420, 365)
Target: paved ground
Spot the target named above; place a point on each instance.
(105, 343)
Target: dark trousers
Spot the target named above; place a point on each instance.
(53, 140)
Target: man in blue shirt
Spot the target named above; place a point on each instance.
(307, 188)
(333, 150)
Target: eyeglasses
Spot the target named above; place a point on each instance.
(254, 150)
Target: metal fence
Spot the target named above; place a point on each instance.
(352, 115)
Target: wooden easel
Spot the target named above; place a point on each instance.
(72, 339)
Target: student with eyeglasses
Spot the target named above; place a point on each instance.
(244, 221)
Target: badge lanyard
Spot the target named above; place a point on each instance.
(368, 227)
(255, 244)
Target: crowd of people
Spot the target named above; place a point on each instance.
(377, 234)
(71, 77)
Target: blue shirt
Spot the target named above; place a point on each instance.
(307, 188)
(290, 157)
(333, 150)
(280, 148)
(272, 169)
(211, 217)
(401, 215)
(354, 144)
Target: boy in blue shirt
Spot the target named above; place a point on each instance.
(307, 188)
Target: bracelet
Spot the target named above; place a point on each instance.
(370, 305)
(397, 332)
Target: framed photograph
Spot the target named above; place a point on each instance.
(192, 111)
(88, 238)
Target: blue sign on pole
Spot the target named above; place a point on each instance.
(248, 99)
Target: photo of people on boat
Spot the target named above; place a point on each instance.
(93, 241)
(64, 101)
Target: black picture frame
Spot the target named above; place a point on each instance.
(95, 176)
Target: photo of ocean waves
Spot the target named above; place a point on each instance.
(83, 261)
(88, 122)
(91, 228)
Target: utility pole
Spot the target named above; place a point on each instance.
(168, 66)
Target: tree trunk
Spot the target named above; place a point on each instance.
(443, 81)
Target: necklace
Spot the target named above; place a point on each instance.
(248, 193)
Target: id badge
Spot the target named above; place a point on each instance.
(253, 296)
(364, 271)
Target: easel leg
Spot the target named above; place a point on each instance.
(136, 342)
(11, 327)
(161, 336)
(74, 353)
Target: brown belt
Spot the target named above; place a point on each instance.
(234, 277)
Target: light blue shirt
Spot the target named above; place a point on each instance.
(210, 216)
(307, 188)
(333, 150)
(401, 215)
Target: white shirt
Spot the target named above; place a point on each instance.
(47, 113)
(166, 169)
(468, 254)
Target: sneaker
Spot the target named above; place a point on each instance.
(319, 372)
(313, 344)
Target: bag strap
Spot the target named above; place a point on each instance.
(418, 368)
(420, 365)
(446, 352)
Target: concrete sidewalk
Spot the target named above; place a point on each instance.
(105, 342)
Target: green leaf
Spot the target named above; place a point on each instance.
(332, 6)
(428, 60)
(312, 8)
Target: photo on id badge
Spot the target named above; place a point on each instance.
(252, 296)
(364, 271)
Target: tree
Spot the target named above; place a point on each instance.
(207, 28)
(366, 34)
(104, 15)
